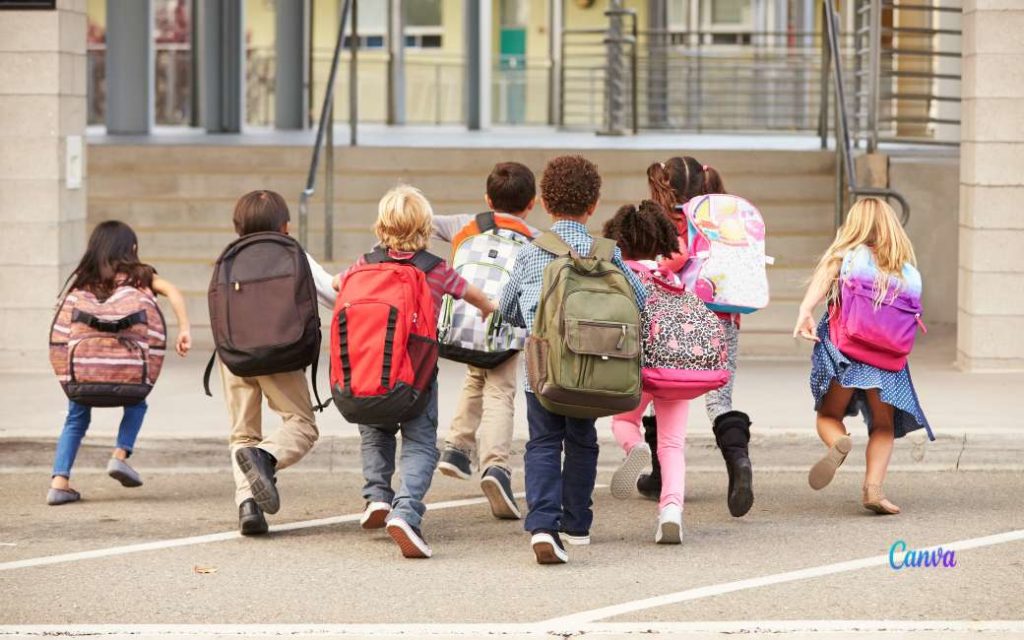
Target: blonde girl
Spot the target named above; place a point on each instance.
(870, 241)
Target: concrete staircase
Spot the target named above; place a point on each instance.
(179, 198)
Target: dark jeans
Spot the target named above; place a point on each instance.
(559, 497)
(418, 462)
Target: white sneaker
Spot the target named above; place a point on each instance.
(548, 548)
(575, 539)
(670, 525)
(625, 477)
(374, 515)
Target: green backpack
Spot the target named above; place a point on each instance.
(583, 354)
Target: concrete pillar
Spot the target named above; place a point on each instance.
(129, 67)
(478, 24)
(556, 23)
(222, 65)
(990, 331)
(657, 66)
(42, 121)
(291, 47)
(396, 63)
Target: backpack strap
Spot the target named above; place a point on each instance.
(602, 248)
(377, 256)
(553, 243)
(208, 373)
(422, 259)
(485, 221)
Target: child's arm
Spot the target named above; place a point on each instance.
(326, 292)
(445, 227)
(508, 306)
(165, 288)
(638, 287)
(475, 296)
(816, 292)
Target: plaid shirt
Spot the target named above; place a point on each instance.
(521, 295)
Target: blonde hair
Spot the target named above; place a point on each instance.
(404, 219)
(871, 222)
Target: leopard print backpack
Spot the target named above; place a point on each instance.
(683, 344)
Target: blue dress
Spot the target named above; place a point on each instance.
(896, 387)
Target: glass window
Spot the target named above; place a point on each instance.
(372, 16)
(423, 13)
(514, 13)
(729, 12)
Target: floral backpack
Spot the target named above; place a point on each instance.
(727, 262)
(683, 344)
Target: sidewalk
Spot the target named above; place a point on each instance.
(774, 392)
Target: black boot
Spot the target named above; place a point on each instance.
(250, 519)
(732, 433)
(649, 484)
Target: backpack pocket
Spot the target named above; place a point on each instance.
(423, 354)
(536, 363)
(603, 354)
(263, 314)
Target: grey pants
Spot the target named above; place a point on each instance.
(418, 462)
(719, 401)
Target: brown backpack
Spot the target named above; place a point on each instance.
(263, 308)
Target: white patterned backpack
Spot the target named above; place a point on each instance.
(727, 262)
(484, 253)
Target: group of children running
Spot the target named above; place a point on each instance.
(650, 246)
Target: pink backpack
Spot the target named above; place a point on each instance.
(108, 353)
(684, 351)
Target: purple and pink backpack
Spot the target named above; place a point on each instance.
(881, 335)
(683, 344)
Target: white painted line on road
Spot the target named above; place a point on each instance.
(709, 591)
(645, 629)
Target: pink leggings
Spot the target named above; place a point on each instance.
(672, 418)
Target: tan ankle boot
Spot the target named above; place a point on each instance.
(875, 500)
(825, 469)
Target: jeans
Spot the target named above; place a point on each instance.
(559, 498)
(418, 462)
(77, 423)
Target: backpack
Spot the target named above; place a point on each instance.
(108, 353)
(879, 335)
(583, 354)
(484, 253)
(684, 351)
(384, 339)
(725, 239)
(263, 308)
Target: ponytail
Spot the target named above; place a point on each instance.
(713, 181)
(660, 184)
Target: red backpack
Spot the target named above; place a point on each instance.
(384, 339)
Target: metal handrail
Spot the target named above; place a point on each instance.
(324, 128)
(844, 150)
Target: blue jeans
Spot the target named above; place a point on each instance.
(559, 498)
(77, 423)
(418, 462)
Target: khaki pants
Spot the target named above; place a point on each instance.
(288, 396)
(483, 420)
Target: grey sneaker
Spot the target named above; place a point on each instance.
(122, 472)
(497, 486)
(62, 496)
(625, 477)
(455, 463)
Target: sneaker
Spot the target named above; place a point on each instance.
(455, 463)
(670, 525)
(251, 521)
(548, 548)
(575, 538)
(497, 486)
(825, 469)
(409, 539)
(375, 515)
(649, 486)
(258, 466)
(121, 471)
(625, 477)
(55, 497)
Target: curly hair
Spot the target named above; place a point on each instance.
(675, 181)
(570, 186)
(642, 233)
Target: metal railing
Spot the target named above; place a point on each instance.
(325, 133)
(908, 71)
(846, 170)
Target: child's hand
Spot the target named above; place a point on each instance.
(491, 307)
(805, 327)
(336, 282)
(184, 342)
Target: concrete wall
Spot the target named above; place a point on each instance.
(991, 294)
(42, 102)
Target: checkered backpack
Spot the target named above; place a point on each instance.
(484, 253)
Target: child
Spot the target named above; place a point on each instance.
(287, 393)
(673, 183)
(558, 497)
(484, 418)
(643, 235)
(111, 260)
(870, 239)
(403, 227)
